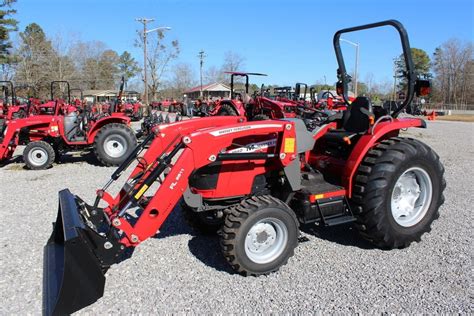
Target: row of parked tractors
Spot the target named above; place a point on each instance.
(52, 128)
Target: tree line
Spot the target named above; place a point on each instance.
(36, 59)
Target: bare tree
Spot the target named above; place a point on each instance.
(159, 57)
(86, 56)
(183, 78)
(454, 72)
(213, 74)
(233, 62)
(61, 66)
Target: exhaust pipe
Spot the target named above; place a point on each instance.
(76, 257)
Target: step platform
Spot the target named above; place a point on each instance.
(319, 201)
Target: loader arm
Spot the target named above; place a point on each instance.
(182, 156)
(88, 239)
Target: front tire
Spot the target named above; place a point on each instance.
(38, 155)
(398, 191)
(113, 143)
(259, 235)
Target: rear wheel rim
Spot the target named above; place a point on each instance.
(115, 146)
(411, 197)
(266, 240)
(38, 157)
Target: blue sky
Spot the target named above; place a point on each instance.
(291, 41)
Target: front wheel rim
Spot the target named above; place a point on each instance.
(266, 240)
(115, 146)
(411, 197)
(38, 157)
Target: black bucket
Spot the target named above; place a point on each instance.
(73, 277)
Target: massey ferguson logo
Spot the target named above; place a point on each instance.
(242, 128)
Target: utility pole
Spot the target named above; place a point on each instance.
(144, 21)
(201, 63)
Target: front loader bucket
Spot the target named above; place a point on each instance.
(72, 275)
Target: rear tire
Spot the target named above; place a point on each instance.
(226, 110)
(38, 155)
(113, 143)
(398, 191)
(206, 223)
(260, 117)
(259, 235)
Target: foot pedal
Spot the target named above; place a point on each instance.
(339, 220)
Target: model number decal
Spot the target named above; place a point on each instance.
(178, 176)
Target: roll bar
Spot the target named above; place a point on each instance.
(345, 78)
(12, 89)
(241, 74)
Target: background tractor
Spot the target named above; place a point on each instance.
(63, 128)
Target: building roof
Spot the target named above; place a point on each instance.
(217, 86)
(107, 93)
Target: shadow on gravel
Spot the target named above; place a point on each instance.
(87, 157)
(15, 159)
(208, 251)
(345, 235)
(205, 248)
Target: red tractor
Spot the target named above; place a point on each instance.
(237, 104)
(257, 108)
(48, 136)
(11, 107)
(255, 183)
(169, 105)
(132, 109)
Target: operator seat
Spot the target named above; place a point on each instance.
(356, 120)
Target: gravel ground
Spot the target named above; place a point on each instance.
(179, 271)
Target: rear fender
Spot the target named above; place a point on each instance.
(120, 119)
(382, 131)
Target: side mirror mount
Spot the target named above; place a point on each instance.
(422, 87)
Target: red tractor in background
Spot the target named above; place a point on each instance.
(169, 105)
(63, 128)
(236, 105)
(255, 183)
(257, 107)
(11, 107)
(132, 109)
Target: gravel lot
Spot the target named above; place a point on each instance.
(179, 271)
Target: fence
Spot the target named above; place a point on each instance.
(447, 107)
